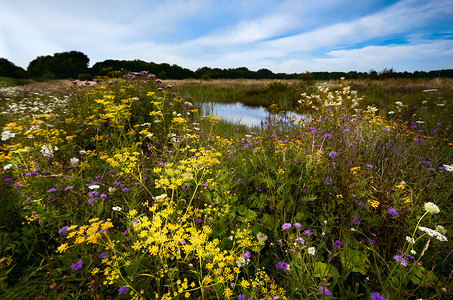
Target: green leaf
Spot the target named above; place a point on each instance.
(323, 270)
(354, 261)
(421, 279)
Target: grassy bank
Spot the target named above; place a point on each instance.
(122, 190)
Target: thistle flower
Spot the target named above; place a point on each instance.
(337, 244)
(377, 296)
(282, 265)
(122, 290)
(77, 265)
(286, 226)
(324, 291)
(393, 212)
(399, 259)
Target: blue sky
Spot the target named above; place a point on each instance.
(284, 36)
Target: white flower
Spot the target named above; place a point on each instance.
(74, 162)
(7, 167)
(399, 103)
(441, 229)
(433, 233)
(163, 196)
(47, 150)
(112, 190)
(391, 112)
(431, 208)
(311, 250)
(372, 109)
(82, 152)
(448, 168)
(94, 187)
(413, 252)
(419, 122)
(116, 208)
(410, 240)
(7, 134)
(261, 237)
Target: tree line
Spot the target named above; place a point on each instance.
(74, 65)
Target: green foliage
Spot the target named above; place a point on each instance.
(122, 187)
(60, 65)
(8, 69)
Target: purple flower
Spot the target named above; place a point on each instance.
(361, 204)
(125, 233)
(246, 255)
(93, 193)
(137, 184)
(327, 136)
(243, 297)
(286, 226)
(197, 221)
(328, 180)
(68, 188)
(399, 259)
(297, 225)
(103, 255)
(77, 265)
(337, 244)
(125, 190)
(52, 190)
(372, 241)
(333, 154)
(91, 201)
(103, 196)
(409, 256)
(377, 296)
(424, 162)
(323, 290)
(183, 242)
(430, 169)
(281, 265)
(307, 232)
(122, 290)
(393, 212)
(204, 185)
(300, 240)
(355, 221)
(370, 166)
(63, 229)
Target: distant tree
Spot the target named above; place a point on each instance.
(9, 69)
(60, 65)
(265, 74)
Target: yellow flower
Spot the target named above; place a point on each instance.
(62, 248)
(94, 271)
(374, 203)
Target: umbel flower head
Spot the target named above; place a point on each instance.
(431, 208)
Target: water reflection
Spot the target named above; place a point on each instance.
(237, 113)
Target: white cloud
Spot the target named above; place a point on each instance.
(285, 18)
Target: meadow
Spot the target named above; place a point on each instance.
(123, 189)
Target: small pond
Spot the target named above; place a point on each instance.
(237, 113)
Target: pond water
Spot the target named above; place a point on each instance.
(237, 113)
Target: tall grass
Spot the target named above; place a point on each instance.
(124, 189)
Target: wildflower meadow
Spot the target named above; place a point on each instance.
(122, 189)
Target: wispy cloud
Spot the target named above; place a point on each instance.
(282, 36)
